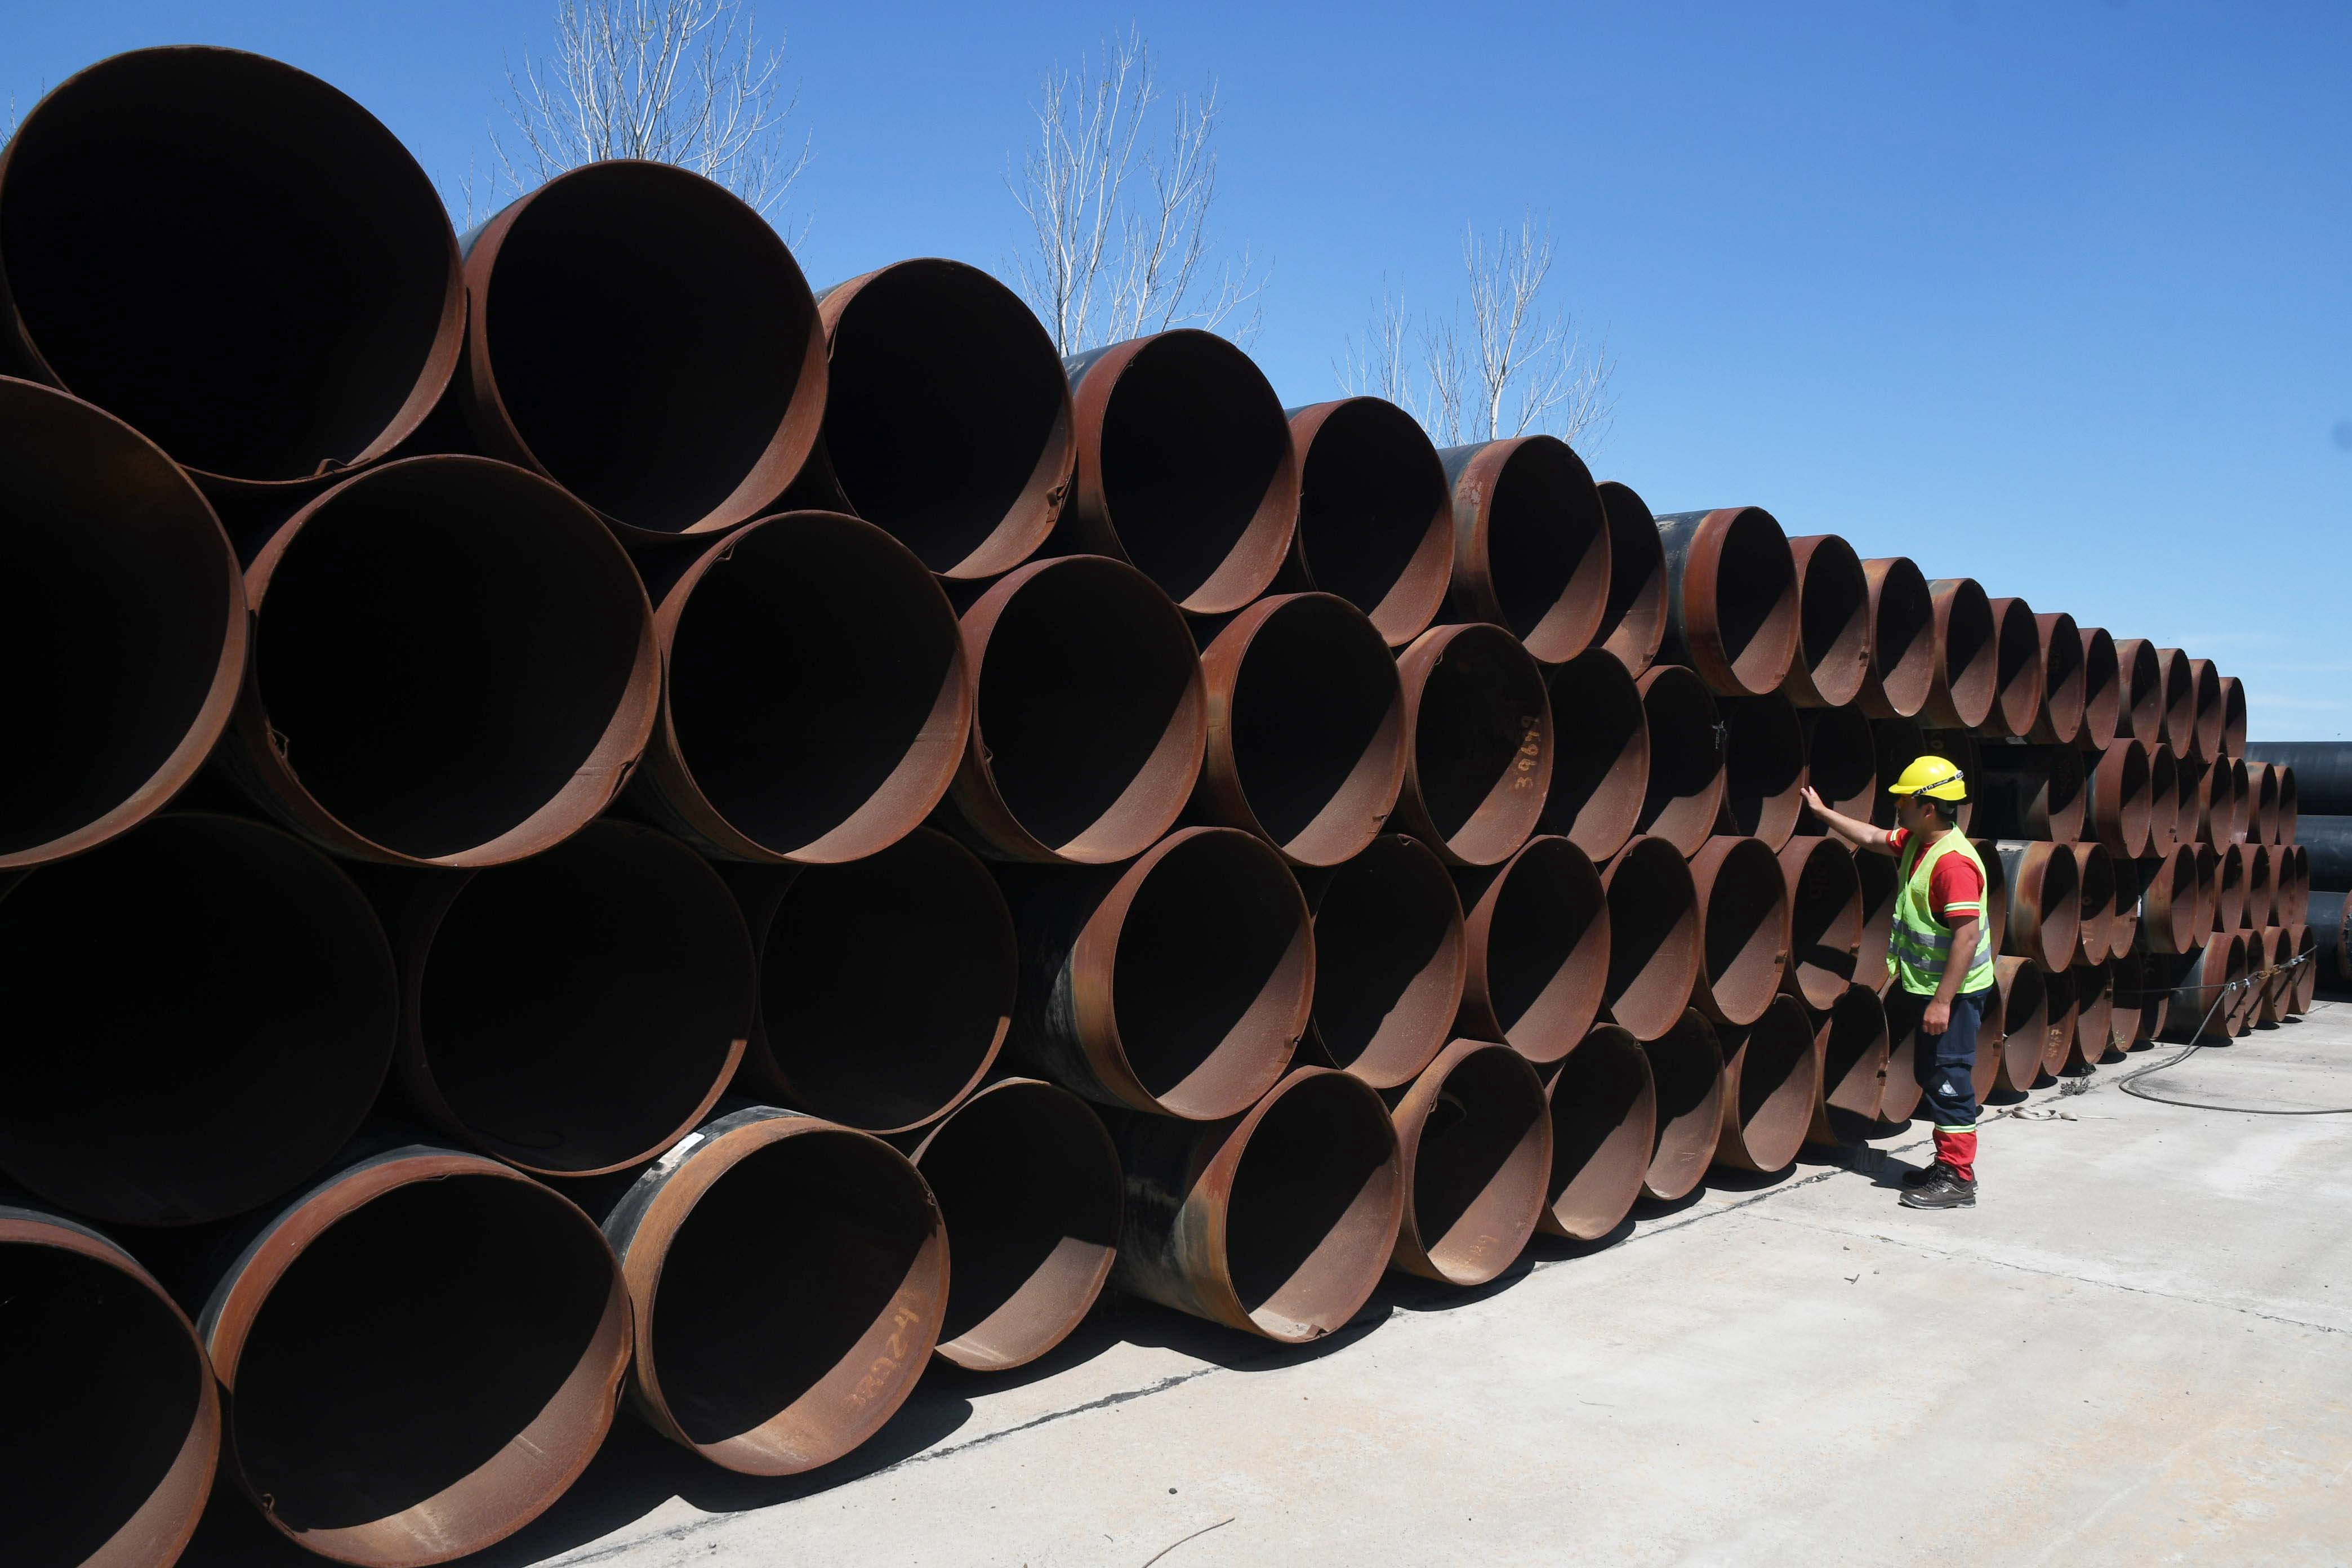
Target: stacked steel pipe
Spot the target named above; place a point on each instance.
(795, 833)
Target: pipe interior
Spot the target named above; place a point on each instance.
(814, 678)
(944, 402)
(1481, 1165)
(409, 1345)
(2094, 889)
(1317, 724)
(1547, 546)
(1547, 950)
(1194, 441)
(1763, 764)
(1087, 676)
(2179, 699)
(1777, 1086)
(1686, 761)
(648, 332)
(2017, 673)
(1833, 612)
(1308, 1226)
(1214, 959)
(1688, 1067)
(1635, 614)
(1825, 921)
(1599, 780)
(204, 1009)
(2063, 676)
(1746, 928)
(2229, 905)
(1840, 759)
(1372, 500)
(103, 1387)
(1902, 639)
(2024, 1019)
(1970, 654)
(1756, 600)
(2143, 687)
(1653, 938)
(111, 661)
(578, 1008)
(2103, 693)
(263, 284)
(1876, 875)
(1389, 961)
(443, 647)
(1482, 706)
(886, 984)
(1854, 1055)
(1603, 1111)
(2058, 908)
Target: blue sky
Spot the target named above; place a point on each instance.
(2050, 295)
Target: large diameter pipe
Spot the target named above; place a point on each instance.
(1539, 948)
(1090, 719)
(2211, 718)
(1841, 763)
(1960, 748)
(1483, 743)
(115, 1423)
(2163, 801)
(2024, 1023)
(1898, 742)
(1375, 514)
(947, 417)
(2105, 693)
(2290, 807)
(1876, 873)
(1474, 1141)
(2261, 897)
(1633, 626)
(2094, 887)
(2179, 728)
(1185, 467)
(789, 1279)
(204, 1011)
(1967, 672)
(910, 954)
(1743, 904)
(2131, 1019)
(2139, 713)
(1179, 984)
(1029, 1188)
(1996, 910)
(1825, 920)
(421, 1353)
(2093, 1004)
(1833, 623)
(572, 1014)
(1849, 1039)
(454, 664)
(2306, 975)
(2296, 892)
(2330, 919)
(2323, 770)
(642, 338)
(1686, 1066)
(2273, 979)
(1599, 782)
(262, 335)
(1731, 598)
(2058, 722)
(1902, 639)
(1307, 738)
(1683, 799)
(2168, 902)
(2059, 1019)
(126, 649)
(2229, 890)
(1763, 768)
(2263, 779)
(1604, 1110)
(2019, 675)
(1771, 1086)
(1531, 544)
(1654, 944)
(2234, 717)
(2201, 995)
(2046, 900)
(2121, 808)
(1391, 960)
(1278, 1222)
(815, 694)
(2029, 792)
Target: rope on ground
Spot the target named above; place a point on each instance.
(2197, 1042)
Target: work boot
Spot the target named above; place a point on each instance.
(1920, 1175)
(1943, 1189)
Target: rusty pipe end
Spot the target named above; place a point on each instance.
(1686, 1065)
(1537, 933)
(1531, 544)
(1603, 1121)
(1391, 961)
(1483, 743)
(1474, 1134)
(1633, 626)
(1375, 512)
(1833, 620)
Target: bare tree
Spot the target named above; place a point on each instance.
(1120, 231)
(1507, 364)
(677, 82)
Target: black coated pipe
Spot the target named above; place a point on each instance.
(2323, 771)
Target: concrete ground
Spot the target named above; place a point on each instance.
(2132, 1351)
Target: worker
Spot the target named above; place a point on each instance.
(1935, 952)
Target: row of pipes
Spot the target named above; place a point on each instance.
(598, 823)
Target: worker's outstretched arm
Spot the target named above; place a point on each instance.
(1965, 935)
(1860, 834)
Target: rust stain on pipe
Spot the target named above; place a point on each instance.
(1531, 544)
(1604, 1109)
(2139, 680)
(1654, 951)
(1481, 763)
(1849, 1041)
(1391, 960)
(2019, 675)
(1684, 796)
(1825, 920)
(1965, 679)
(1743, 916)
(1771, 1088)
(1686, 1066)
(1375, 513)
(1731, 599)
(1902, 653)
(2059, 721)
(1473, 1136)
(2046, 900)
(1600, 779)
(1833, 623)
(1538, 940)
(1633, 626)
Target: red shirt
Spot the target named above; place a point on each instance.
(1956, 888)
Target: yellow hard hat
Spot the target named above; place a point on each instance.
(1934, 777)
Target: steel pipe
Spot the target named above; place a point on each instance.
(461, 667)
(1960, 748)
(1531, 544)
(1654, 946)
(116, 1425)
(2046, 900)
(2019, 675)
(2060, 1017)
(2168, 902)
(2233, 718)
(2140, 714)
(2271, 995)
(2211, 718)
(789, 1279)
(1996, 909)
(1899, 1101)
(2120, 806)
(1731, 599)
(2163, 801)
(1897, 743)
(947, 417)
(2330, 919)
(2262, 816)
(1633, 626)
(204, 1009)
(2323, 770)
(1539, 948)
(2178, 729)
(1773, 1080)
(1278, 1222)
(1824, 896)
(1178, 985)
(1841, 763)
(1481, 761)
(421, 1353)
(2131, 1015)
(2296, 892)
(1686, 1067)
(1743, 915)
(1391, 960)
(2200, 999)
(2306, 974)
(2094, 885)
(2024, 1023)
(1833, 623)
(2290, 807)
(1604, 1109)
(2093, 984)
(1985, 1070)
(1683, 799)
(1966, 675)
(2058, 722)
(1090, 718)
(1876, 874)
(1903, 649)
(1375, 513)
(1849, 1039)
(2104, 697)
(909, 953)
(1307, 728)
(2260, 898)
(700, 390)
(262, 335)
(1474, 1141)
(1599, 782)
(1763, 768)
(126, 646)
(2229, 890)
(2029, 792)
(1029, 1188)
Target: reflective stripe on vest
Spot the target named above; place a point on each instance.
(1918, 944)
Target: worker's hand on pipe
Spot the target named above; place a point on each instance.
(1936, 1018)
(1813, 799)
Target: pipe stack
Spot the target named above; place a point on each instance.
(782, 835)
